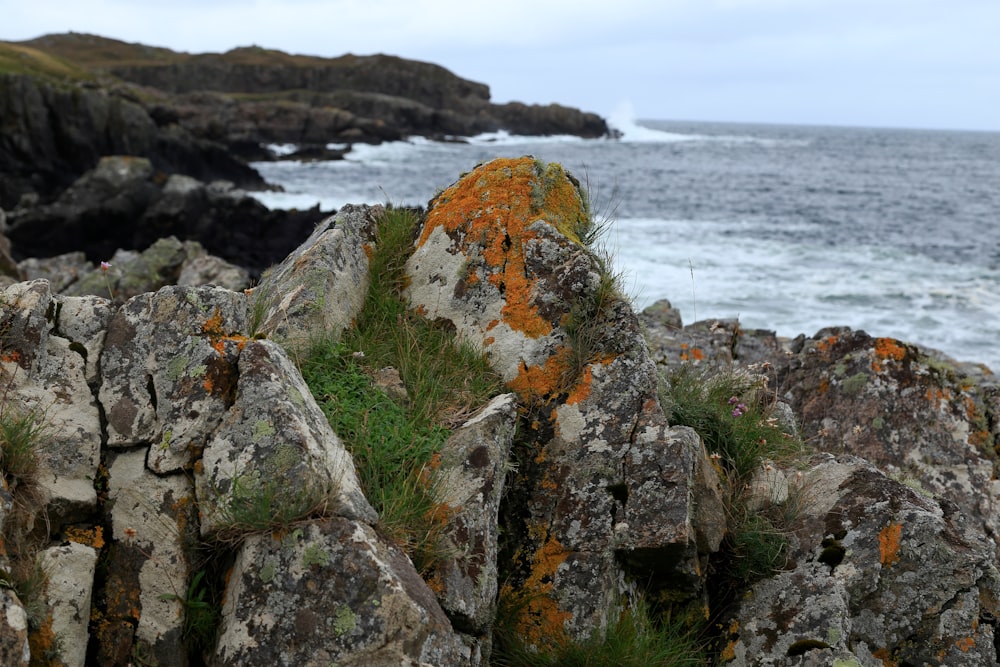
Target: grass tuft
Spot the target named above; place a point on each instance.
(394, 440)
(634, 640)
(734, 413)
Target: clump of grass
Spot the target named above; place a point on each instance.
(201, 613)
(21, 435)
(257, 504)
(394, 441)
(733, 412)
(634, 640)
(22, 438)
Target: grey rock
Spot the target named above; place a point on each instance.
(320, 288)
(334, 593)
(469, 482)
(880, 573)
(274, 441)
(70, 569)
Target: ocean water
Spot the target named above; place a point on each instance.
(787, 228)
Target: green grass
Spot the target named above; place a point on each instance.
(255, 505)
(21, 436)
(635, 640)
(394, 441)
(733, 412)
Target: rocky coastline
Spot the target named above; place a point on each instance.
(165, 383)
(155, 319)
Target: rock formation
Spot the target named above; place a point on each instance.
(172, 415)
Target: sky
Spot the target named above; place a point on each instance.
(875, 63)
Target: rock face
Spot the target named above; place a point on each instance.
(54, 132)
(121, 205)
(187, 470)
(499, 257)
(882, 575)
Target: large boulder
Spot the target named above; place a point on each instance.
(123, 204)
(46, 351)
(501, 259)
(918, 416)
(880, 575)
(331, 592)
(319, 288)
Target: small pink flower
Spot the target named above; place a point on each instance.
(105, 266)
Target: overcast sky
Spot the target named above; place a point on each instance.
(886, 63)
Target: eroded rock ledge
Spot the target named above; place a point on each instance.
(161, 408)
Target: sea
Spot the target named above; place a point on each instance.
(784, 227)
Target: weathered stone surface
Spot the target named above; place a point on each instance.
(61, 270)
(275, 442)
(152, 521)
(14, 648)
(914, 415)
(70, 570)
(210, 270)
(44, 374)
(500, 259)
(331, 592)
(169, 368)
(470, 483)
(881, 575)
(320, 288)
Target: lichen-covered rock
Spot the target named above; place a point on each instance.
(14, 648)
(275, 445)
(133, 273)
(914, 415)
(469, 482)
(500, 258)
(61, 270)
(881, 575)
(331, 592)
(209, 270)
(70, 569)
(153, 520)
(44, 375)
(320, 288)
(169, 369)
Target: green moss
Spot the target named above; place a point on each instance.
(344, 621)
(878, 423)
(855, 384)
(262, 429)
(314, 554)
(267, 572)
(176, 367)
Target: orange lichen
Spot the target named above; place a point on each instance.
(825, 344)
(218, 337)
(886, 349)
(493, 207)
(541, 621)
(91, 537)
(824, 386)
(582, 389)
(888, 544)
(42, 640)
(965, 644)
(542, 381)
(886, 657)
(13, 356)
